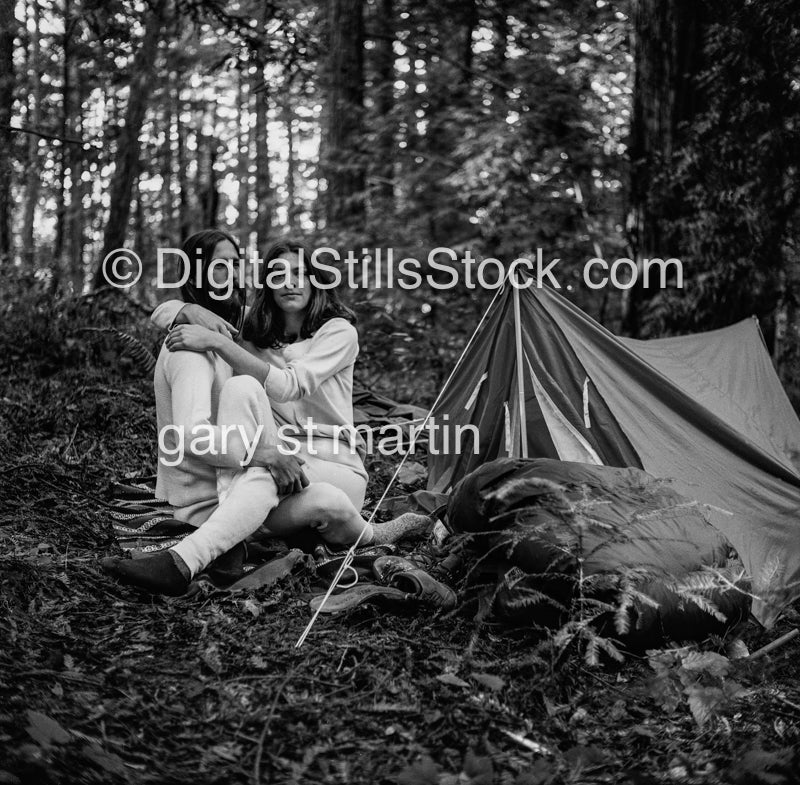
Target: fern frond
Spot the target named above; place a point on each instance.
(622, 619)
(529, 597)
(644, 599)
(609, 648)
(694, 582)
(705, 605)
(592, 654)
(524, 487)
(140, 354)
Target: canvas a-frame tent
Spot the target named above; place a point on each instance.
(540, 378)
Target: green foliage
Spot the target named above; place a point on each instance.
(487, 143)
(698, 679)
(562, 125)
(45, 332)
(730, 193)
(140, 354)
(539, 568)
(91, 673)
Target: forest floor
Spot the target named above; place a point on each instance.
(99, 683)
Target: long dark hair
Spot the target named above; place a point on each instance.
(265, 326)
(199, 249)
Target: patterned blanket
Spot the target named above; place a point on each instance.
(141, 522)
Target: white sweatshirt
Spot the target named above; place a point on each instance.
(310, 378)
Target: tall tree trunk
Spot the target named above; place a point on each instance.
(35, 120)
(470, 11)
(138, 222)
(184, 203)
(8, 31)
(499, 59)
(243, 197)
(292, 208)
(344, 159)
(128, 145)
(263, 185)
(168, 232)
(63, 158)
(75, 215)
(383, 192)
(668, 57)
(208, 195)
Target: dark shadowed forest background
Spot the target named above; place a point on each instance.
(615, 129)
(631, 128)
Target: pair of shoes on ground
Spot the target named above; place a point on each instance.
(399, 579)
(159, 573)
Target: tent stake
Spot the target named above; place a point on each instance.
(775, 644)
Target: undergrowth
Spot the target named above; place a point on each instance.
(101, 684)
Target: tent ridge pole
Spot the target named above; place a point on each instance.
(523, 425)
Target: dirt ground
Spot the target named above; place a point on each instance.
(99, 683)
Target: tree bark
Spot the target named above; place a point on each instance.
(207, 193)
(142, 70)
(243, 198)
(668, 57)
(8, 31)
(262, 224)
(383, 190)
(63, 158)
(75, 215)
(470, 11)
(292, 207)
(184, 205)
(263, 185)
(168, 232)
(35, 121)
(344, 160)
(499, 59)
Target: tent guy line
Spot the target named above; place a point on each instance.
(348, 559)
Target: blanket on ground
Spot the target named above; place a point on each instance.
(144, 524)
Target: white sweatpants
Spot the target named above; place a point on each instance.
(249, 498)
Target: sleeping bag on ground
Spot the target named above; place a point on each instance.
(556, 533)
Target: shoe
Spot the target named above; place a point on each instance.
(228, 568)
(269, 573)
(405, 575)
(357, 595)
(427, 590)
(386, 567)
(328, 561)
(157, 574)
